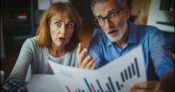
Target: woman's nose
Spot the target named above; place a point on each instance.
(63, 29)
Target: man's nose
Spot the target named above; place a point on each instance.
(108, 23)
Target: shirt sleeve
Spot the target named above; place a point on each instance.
(95, 50)
(24, 60)
(160, 53)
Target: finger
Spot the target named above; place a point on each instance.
(90, 63)
(136, 90)
(94, 64)
(140, 90)
(81, 56)
(80, 47)
(150, 85)
(78, 52)
(154, 85)
(85, 62)
(140, 85)
(145, 90)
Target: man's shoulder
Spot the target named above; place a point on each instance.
(147, 30)
(98, 36)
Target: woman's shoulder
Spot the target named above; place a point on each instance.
(31, 42)
(31, 39)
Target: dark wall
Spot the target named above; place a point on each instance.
(169, 36)
(84, 9)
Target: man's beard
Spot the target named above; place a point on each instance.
(119, 35)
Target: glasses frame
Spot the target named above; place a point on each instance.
(107, 17)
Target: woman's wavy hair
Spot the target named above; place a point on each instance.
(43, 31)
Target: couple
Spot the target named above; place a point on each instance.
(57, 39)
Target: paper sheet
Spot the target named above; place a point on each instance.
(116, 76)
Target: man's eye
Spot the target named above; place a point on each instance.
(112, 15)
(100, 19)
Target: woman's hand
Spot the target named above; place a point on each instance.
(84, 60)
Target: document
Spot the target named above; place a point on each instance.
(116, 76)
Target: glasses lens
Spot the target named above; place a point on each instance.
(101, 21)
(113, 16)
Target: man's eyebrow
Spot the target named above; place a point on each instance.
(98, 16)
(111, 10)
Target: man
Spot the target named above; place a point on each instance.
(118, 36)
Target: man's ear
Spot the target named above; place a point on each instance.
(127, 11)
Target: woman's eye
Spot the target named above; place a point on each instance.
(58, 24)
(69, 25)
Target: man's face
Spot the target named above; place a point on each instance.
(112, 18)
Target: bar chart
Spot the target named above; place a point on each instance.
(116, 76)
(112, 85)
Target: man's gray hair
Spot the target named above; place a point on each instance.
(122, 3)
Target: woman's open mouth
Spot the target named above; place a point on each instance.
(61, 39)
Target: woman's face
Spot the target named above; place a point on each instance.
(61, 29)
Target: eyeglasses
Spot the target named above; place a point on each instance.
(113, 16)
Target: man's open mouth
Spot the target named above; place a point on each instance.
(112, 33)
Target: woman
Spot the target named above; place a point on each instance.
(57, 40)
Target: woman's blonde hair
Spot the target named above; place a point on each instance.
(43, 32)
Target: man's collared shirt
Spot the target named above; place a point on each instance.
(157, 55)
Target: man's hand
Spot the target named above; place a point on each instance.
(150, 86)
(166, 85)
(84, 60)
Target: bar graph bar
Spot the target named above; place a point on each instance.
(129, 70)
(122, 76)
(108, 87)
(79, 90)
(110, 81)
(93, 87)
(137, 68)
(99, 85)
(67, 88)
(133, 70)
(126, 75)
(117, 84)
(87, 85)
